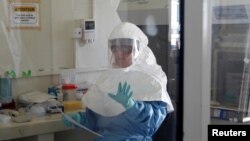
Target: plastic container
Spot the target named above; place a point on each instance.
(6, 99)
(69, 92)
(5, 90)
(72, 105)
(9, 105)
(71, 102)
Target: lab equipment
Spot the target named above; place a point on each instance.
(70, 99)
(68, 82)
(123, 96)
(55, 109)
(37, 110)
(6, 93)
(5, 90)
(69, 92)
(88, 27)
(34, 97)
(72, 105)
(230, 97)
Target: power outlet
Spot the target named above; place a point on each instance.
(77, 33)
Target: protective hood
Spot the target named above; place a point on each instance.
(130, 31)
(123, 33)
(146, 78)
(148, 83)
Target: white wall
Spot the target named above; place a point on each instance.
(27, 48)
(65, 16)
(95, 55)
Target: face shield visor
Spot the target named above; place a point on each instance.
(123, 52)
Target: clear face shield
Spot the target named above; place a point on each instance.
(123, 52)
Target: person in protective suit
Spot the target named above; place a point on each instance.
(129, 101)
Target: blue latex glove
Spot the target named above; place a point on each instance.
(75, 116)
(123, 96)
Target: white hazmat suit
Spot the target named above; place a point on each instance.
(138, 114)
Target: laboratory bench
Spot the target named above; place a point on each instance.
(218, 121)
(47, 128)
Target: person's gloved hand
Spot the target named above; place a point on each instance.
(123, 95)
(75, 116)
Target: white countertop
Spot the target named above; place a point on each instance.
(42, 125)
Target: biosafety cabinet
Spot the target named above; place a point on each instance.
(230, 62)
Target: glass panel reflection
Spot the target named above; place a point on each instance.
(159, 20)
(230, 62)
